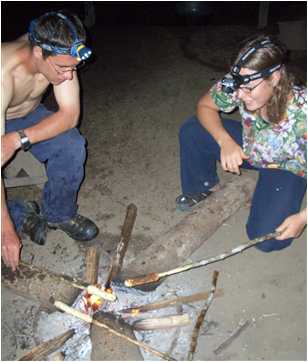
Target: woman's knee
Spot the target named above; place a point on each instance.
(269, 245)
(191, 129)
(274, 245)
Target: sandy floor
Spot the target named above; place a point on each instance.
(143, 84)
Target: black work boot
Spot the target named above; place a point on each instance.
(78, 228)
(34, 225)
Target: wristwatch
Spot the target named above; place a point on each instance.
(24, 140)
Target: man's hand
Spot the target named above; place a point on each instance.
(10, 143)
(231, 156)
(10, 248)
(293, 226)
(10, 242)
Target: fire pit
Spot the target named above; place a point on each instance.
(173, 340)
(165, 323)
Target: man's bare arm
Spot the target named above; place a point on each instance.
(10, 242)
(9, 142)
(67, 116)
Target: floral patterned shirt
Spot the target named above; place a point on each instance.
(269, 145)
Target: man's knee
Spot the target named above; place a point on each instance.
(71, 147)
(75, 141)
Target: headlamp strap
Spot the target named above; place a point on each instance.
(77, 50)
(262, 74)
(237, 67)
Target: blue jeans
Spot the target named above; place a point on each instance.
(278, 193)
(64, 157)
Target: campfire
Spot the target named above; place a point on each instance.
(159, 320)
(165, 322)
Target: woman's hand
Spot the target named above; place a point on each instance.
(231, 156)
(293, 226)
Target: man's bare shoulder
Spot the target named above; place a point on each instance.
(26, 86)
(14, 45)
(13, 53)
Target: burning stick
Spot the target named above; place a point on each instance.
(169, 302)
(85, 317)
(200, 319)
(91, 270)
(154, 277)
(92, 302)
(169, 321)
(77, 283)
(117, 261)
(39, 352)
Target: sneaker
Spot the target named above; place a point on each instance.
(78, 228)
(186, 202)
(34, 225)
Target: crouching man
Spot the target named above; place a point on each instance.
(49, 53)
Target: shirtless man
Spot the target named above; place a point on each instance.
(49, 54)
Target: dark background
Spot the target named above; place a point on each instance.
(16, 14)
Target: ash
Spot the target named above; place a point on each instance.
(174, 341)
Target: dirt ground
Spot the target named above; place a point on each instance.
(142, 85)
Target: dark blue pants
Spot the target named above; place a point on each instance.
(64, 157)
(278, 193)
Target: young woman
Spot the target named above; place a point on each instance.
(271, 139)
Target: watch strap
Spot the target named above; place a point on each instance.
(24, 140)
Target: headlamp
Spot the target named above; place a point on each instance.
(78, 50)
(233, 80)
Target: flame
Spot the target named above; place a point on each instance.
(135, 311)
(92, 302)
(128, 283)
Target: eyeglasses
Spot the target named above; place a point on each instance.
(250, 89)
(62, 69)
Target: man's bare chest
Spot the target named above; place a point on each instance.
(28, 90)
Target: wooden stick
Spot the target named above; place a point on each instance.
(91, 270)
(126, 232)
(200, 319)
(57, 356)
(89, 319)
(169, 302)
(169, 321)
(39, 352)
(154, 277)
(230, 339)
(75, 282)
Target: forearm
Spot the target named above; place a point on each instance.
(231, 154)
(211, 121)
(49, 127)
(10, 242)
(6, 222)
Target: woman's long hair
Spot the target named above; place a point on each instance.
(272, 54)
